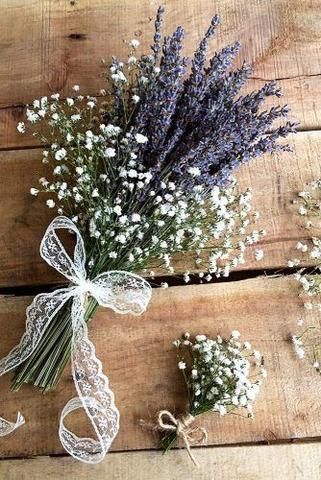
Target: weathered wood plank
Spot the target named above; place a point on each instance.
(141, 363)
(273, 462)
(274, 181)
(302, 94)
(64, 43)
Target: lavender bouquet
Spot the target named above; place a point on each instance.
(145, 170)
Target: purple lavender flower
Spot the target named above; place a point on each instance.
(201, 120)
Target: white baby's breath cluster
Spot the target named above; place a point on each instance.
(307, 344)
(308, 203)
(221, 374)
(98, 181)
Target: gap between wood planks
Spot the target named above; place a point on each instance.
(290, 441)
(171, 280)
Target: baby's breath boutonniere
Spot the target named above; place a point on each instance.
(222, 375)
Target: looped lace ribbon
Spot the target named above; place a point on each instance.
(121, 291)
(182, 426)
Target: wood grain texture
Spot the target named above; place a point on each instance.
(274, 182)
(139, 358)
(64, 44)
(273, 462)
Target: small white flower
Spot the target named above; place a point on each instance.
(32, 116)
(91, 104)
(21, 127)
(75, 117)
(181, 365)
(110, 152)
(164, 285)
(135, 98)
(76, 88)
(95, 193)
(57, 170)
(60, 154)
(112, 255)
(50, 203)
(235, 334)
(34, 191)
(194, 171)
(117, 210)
(55, 96)
(119, 77)
(131, 60)
(134, 43)
(70, 101)
(136, 217)
(200, 338)
(121, 238)
(259, 254)
(140, 138)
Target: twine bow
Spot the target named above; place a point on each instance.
(182, 426)
(121, 291)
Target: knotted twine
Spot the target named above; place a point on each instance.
(181, 426)
(121, 291)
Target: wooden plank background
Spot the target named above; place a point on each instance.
(49, 45)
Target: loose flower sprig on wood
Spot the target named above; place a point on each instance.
(221, 375)
(145, 172)
(307, 344)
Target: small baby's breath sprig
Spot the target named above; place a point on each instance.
(308, 203)
(307, 345)
(222, 375)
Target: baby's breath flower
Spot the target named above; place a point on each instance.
(50, 203)
(110, 152)
(134, 43)
(181, 365)
(141, 138)
(21, 127)
(259, 254)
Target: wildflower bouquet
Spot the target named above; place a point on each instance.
(221, 375)
(138, 174)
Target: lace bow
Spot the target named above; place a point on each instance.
(121, 291)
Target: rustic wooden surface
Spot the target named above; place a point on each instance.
(273, 462)
(274, 180)
(49, 45)
(138, 355)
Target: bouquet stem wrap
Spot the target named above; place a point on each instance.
(124, 293)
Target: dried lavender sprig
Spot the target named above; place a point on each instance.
(156, 47)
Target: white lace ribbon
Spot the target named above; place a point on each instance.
(121, 291)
